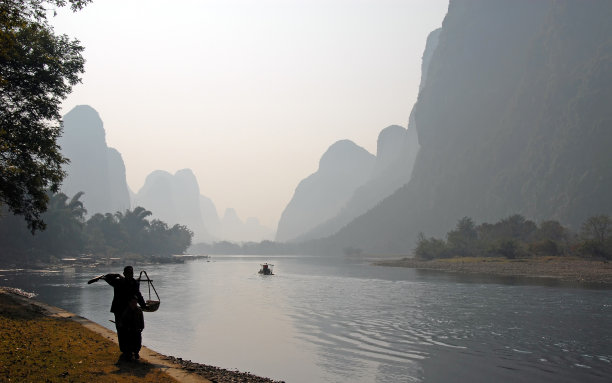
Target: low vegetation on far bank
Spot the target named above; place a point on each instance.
(515, 237)
(68, 233)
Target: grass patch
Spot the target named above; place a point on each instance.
(36, 348)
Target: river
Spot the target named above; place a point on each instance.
(321, 319)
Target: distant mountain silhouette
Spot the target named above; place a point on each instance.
(233, 229)
(173, 199)
(99, 171)
(208, 210)
(430, 47)
(396, 150)
(514, 117)
(342, 169)
(132, 195)
(177, 199)
(94, 168)
(231, 222)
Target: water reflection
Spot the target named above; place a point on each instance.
(476, 278)
(336, 316)
(235, 318)
(333, 320)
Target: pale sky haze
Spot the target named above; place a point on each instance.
(248, 94)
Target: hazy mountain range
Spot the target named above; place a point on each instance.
(310, 214)
(177, 199)
(349, 182)
(343, 168)
(514, 117)
(99, 171)
(173, 199)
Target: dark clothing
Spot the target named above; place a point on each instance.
(132, 324)
(124, 290)
(120, 333)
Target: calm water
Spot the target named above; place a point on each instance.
(339, 320)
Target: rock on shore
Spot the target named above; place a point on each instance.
(220, 375)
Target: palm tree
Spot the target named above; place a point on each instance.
(105, 235)
(134, 223)
(64, 219)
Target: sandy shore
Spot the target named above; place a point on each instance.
(572, 271)
(39, 342)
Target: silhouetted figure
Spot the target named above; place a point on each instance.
(266, 270)
(125, 287)
(132, 324)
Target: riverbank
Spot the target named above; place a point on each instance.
(573, 271)
(42, 343)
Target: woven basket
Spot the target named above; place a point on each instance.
(151, 306)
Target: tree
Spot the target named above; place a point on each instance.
(64, 235)
(104, 235)
(550, 239)
(158, 243)
(513, 227)
(597, 236)
(37, 71)
(509, 248)
(180, 237)
(135, 223)
(597, 228)
(430, 248)
(65, 218)
(552, 230)
(462, 240)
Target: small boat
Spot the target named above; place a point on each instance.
(266, 269)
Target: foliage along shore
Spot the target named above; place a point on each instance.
(518, 247)
(131, 234)
(516, 237)
(568, 270)
(38, 348)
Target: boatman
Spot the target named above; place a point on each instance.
(125, 288)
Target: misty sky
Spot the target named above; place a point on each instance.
(248, 94)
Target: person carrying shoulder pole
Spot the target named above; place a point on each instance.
(124, 288)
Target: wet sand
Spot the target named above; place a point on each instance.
(573, 271)
(72, 347)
